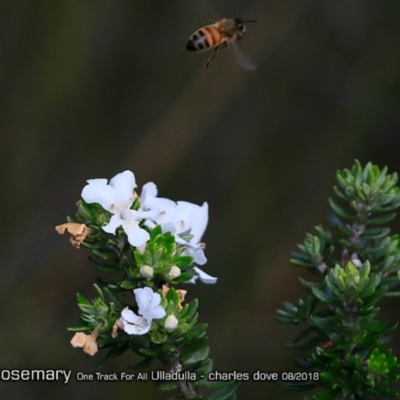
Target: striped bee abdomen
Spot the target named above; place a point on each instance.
(204, 39)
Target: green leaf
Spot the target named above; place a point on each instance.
(102, 266)
(190, 348)
(285, 320)
(304, 333)
(166, 386)
(142, 365)
(189, 311)
(376, 233)
(305, 345)
(325, 324)
(298, 386)
(382, 219)
(173, 296)
(198, 355)
(291, 308)
(321, 295)
(114, 352)
(301, 362)
(78, 328)
(340, 211)
(210, 384)
(105, 254)
(82, 300)
(226, 392)
(158, 337)
(182, 261)
(150, 351)
(205, 367)
(128, 285)
(196, 331)
(307, 284)
(155, 232)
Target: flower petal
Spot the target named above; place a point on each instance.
(128, 315)
(148, 190)
(124, 184)
(193, 279)
(170, 227)
(199, 257)
(149, 304)
(149, 201)
(97, 191)
(133, 324)
(114, 223)
(205, 277)
(136, 236)
(182, 216)
(157, 312)
(198, 219)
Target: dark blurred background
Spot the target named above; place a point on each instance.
(89, 89)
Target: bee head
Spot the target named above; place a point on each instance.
(240, 26)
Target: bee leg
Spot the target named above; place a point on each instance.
(214, 53)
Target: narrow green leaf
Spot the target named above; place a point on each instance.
(141, 365)
(182, 261)
(82, 300)
(210, 384)
(340, 211)
(376, 233)
(383, 219)
(149, 352)
(128, 285)
(196, 331)
(226, 392)
(198, 355)
(102, 266)
(114, 352)
(166, 386)
(190, 310)
(304, 345)
(298, 386)
(104, 254)
(321, 295)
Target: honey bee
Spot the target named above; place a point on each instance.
(223, 33)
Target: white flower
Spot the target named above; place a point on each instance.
(149, 308)
(134, 324)
(117, 197)
(170, 322)
(149, 304)
(178, 218)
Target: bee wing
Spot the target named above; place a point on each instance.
(242, 58)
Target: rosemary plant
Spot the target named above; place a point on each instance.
(355, 268)
(148, 245)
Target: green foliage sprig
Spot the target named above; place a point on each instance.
(358, 266)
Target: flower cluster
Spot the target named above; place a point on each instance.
(157, 241)
(186, 221)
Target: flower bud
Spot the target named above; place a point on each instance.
(146, 271)
(174, 272)
(171, 322)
